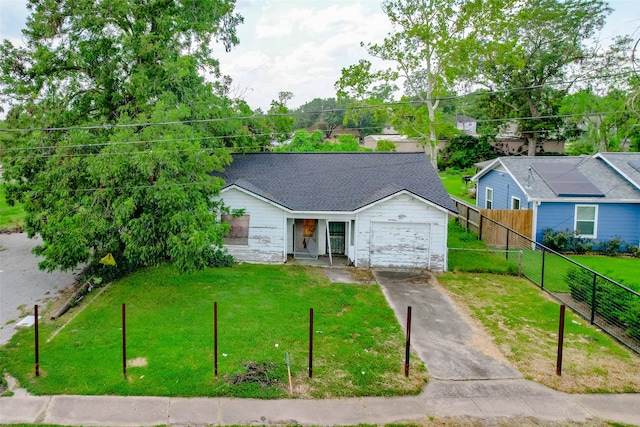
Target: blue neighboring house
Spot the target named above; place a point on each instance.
(598, 196)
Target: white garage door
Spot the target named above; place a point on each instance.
(397, 244)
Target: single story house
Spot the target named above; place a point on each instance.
(377, 209)
(597, 196)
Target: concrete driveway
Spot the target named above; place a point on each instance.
(22, 284)
(446, 339)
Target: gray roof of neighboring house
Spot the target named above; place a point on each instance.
(339, 182)
(626, 164)
(611, 184)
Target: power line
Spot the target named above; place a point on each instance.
(220, 137)
(293, 114)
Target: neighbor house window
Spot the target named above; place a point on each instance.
(489, 199)
(515, 203)
(238, 230)
(586, 220)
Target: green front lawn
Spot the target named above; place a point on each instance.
(263, 313)
(10, 216)
(523, 322)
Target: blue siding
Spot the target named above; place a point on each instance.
(614, 220)
(504, 187)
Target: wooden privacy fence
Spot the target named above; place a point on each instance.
(470, 217)
(516, 220)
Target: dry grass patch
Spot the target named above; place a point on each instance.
(523, 322)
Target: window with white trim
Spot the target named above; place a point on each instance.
(488, 201)
(586, 220)
(515, 203)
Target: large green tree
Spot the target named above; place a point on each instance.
(532, 55)
(427, 47)
(607, 122)
(113, 129)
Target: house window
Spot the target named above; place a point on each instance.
(352, 234)
(489, 198)
(238, 230)
(515, 203)
(586, 220)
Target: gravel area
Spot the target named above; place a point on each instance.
(22, 284)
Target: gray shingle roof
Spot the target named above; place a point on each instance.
(607, 180)
(622, 163)
(338, 182)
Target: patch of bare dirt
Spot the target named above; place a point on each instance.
(138, 362)
(261, 373)
(361, 275)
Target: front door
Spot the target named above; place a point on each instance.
(337, 237)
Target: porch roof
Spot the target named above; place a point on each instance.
(335, 182)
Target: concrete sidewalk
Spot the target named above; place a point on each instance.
(515, 399)
(469, 379)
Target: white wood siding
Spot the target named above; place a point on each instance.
(413, 217)
(407, 244)
(266, 229)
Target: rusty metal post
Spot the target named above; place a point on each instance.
(408, 343)
(215, 338)
(560, 341)
(311, 343)
(37, 343)
(124, 342)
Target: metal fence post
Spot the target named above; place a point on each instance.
(311, 343)
(560, 341)
(37, 338)
(124, 342)
(520, 263)
(593, 297)
(544, 251)
(215, 338)
(408, 343)
(507, 251)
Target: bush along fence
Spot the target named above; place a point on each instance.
(605, 303)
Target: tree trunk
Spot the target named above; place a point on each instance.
(532, 142)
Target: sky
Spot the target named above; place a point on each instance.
(301, 46)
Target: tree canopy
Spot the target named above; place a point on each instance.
(531, 55)
(426, 48)
(113, 129)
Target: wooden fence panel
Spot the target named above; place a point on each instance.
(518, 220)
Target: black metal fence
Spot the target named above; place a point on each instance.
(609, 305)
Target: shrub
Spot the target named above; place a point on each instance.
(613, 302)
(556, 240)
(566, 241)
(218, 257)
(611, 247)
(634, 251)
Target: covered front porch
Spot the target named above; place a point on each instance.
(320, 241)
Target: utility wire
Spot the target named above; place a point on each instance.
(220, 137)
(293, 114)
